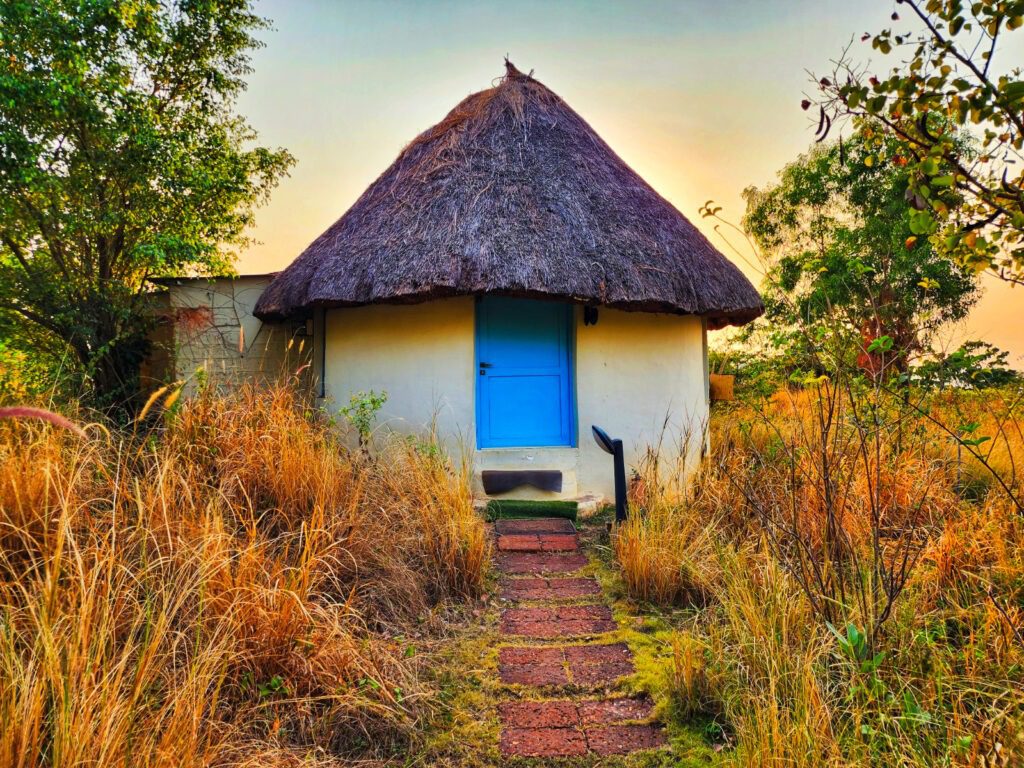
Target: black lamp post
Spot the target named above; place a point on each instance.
(614, 447)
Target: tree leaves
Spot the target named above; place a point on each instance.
(121, 159)
(1014, 92)
(940, 92)
(840, 245)
(881, 344)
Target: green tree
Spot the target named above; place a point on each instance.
(121, 158)
(947, 80)
(839, 246)
(974, 364)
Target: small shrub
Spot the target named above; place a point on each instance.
(361, 412)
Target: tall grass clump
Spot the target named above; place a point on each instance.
(665, 548)
(773, 695)
(230, 587)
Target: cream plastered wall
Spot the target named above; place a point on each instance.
(420, 354)
(633, 371)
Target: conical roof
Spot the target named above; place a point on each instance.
(514, 193)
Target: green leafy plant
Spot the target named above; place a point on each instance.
(881, 344)
(273, 687)
(965, 435)
(974, 365)
(361, 412)
(943, 85)
(856, 645)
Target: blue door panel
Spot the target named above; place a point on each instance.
(535, 402)
(526, 337)
(524, 377)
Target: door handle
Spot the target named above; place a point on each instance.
(486, 365)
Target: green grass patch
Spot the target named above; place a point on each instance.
(527, 508)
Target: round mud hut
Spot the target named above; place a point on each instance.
(511, 281)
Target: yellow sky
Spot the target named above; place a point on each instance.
(700, 98)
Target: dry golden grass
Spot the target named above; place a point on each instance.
(949, 684)
(237, 590)
(666, 550)
(691, 683)
(773, 696)
(666, 547)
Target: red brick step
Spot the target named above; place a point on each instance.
(565, 713)
(542, 742)
(561, 665)
(537, 542)
(549, 589)
(564, 728)
(540, 562)
(536, 525)
(561, 621)
(539, 714)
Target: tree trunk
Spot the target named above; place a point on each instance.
(114, 375)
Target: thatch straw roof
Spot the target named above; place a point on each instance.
(513, 193)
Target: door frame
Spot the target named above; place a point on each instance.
(571, 322)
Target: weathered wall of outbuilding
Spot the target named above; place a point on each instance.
(213, 334)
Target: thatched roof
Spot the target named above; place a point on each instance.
(513, 193)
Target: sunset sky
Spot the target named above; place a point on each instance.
(700, 98)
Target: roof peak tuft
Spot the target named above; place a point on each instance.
(512, 72)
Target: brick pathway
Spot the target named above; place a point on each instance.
(551, 645)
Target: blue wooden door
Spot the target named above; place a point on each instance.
(524, 394)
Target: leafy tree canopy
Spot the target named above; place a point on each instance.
(121, 159)
(838, 245)
(975, 365)
(946, 80)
